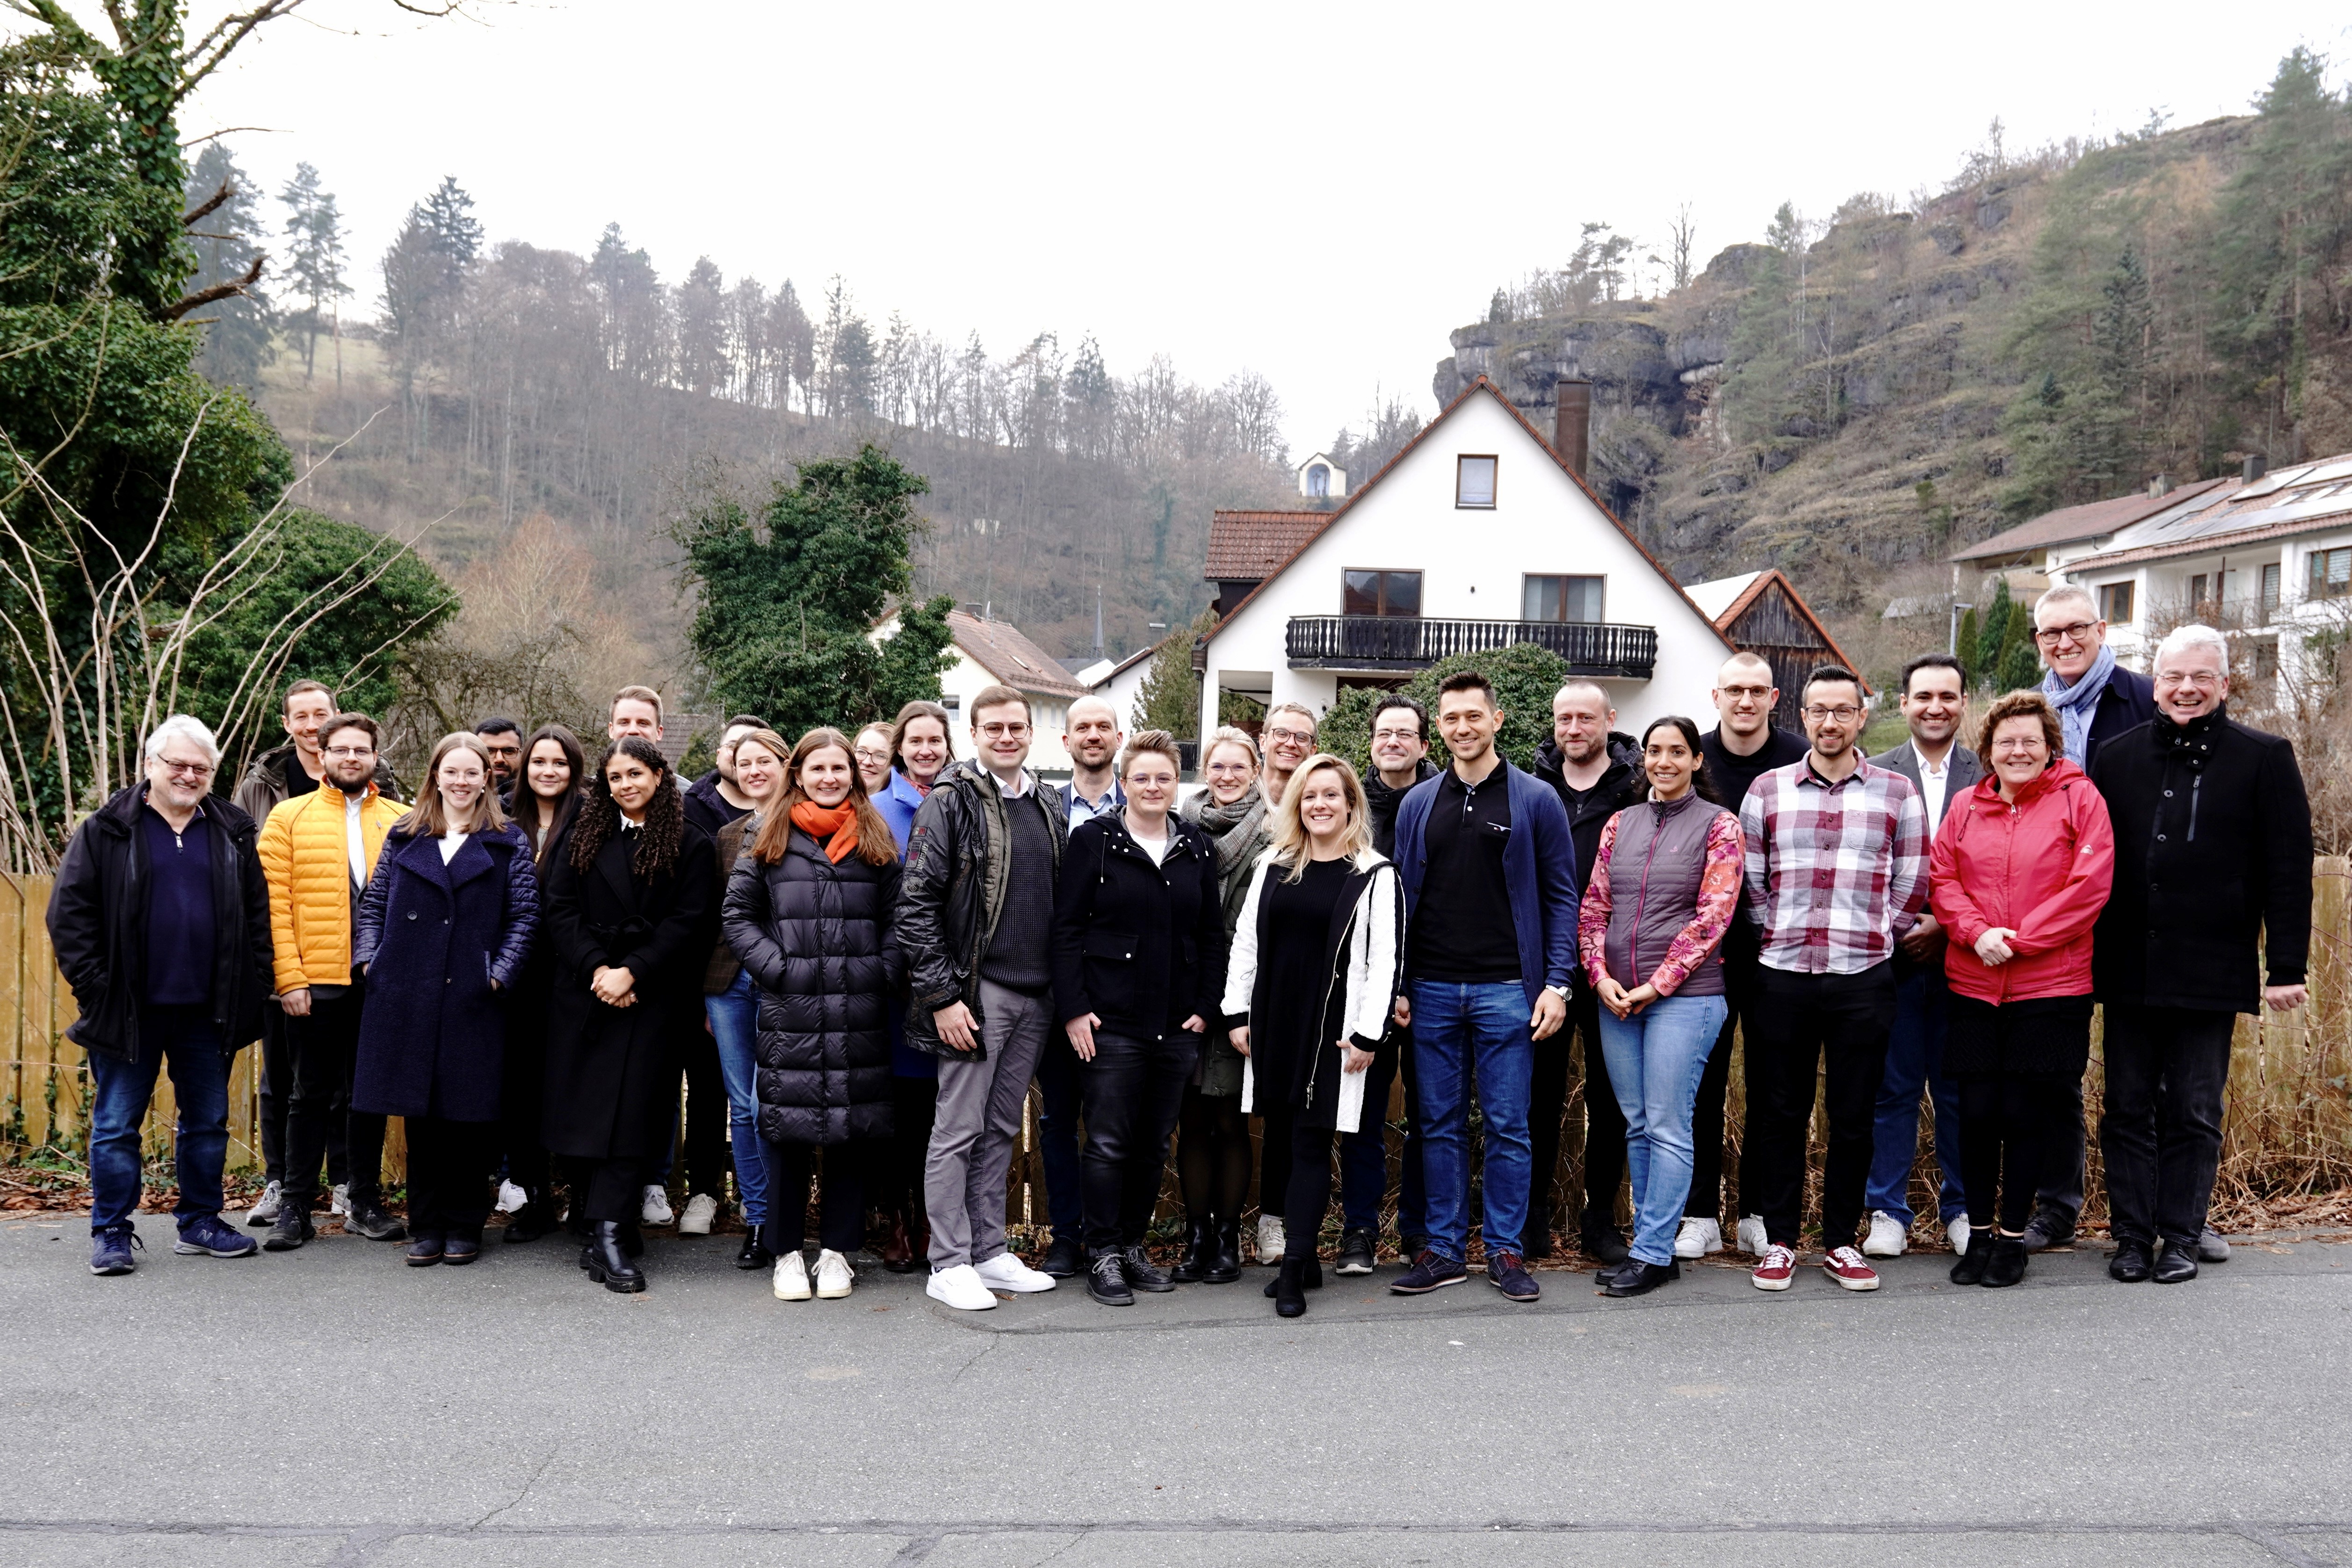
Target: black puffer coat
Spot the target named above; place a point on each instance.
(818, 939)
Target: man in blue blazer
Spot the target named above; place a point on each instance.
(1489, 872)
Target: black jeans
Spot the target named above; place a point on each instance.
(2166, 1069)
(1802, 1022)
(1741, 969)
(2015, 1138)
(1604, 1120)
(611, 1189)
(523, 1109)
(708, 1112)
(896, 1185)
(1212, 1156)
(275, 1092)
(323, 1048)
(1307, 1195)
(841, 1206)
(1131, 1092)
(449, 1174)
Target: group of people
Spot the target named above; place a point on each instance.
(859, 952)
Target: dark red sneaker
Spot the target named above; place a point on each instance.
(1850, 1269)
(1779, 1267)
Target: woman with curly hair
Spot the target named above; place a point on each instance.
(632, 911)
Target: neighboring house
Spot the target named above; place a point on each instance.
(2266, 558)
(1763, 614)
(2030, 554)
(1477, 535)
(1320, 479)
(994, 652)
(1117, 683)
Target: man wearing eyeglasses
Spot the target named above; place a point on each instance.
(318, 851)
(2097, 699)
(975, 923)
(1836, 856)
(160, 922)
(2213, 887)
(1289, 738)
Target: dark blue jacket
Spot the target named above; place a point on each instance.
(2128, 702)
(433, 1034)
(1538, 870)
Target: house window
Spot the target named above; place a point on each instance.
(2116, 603)
(2331, 573)
(2197, 586)
(2271, 596)
(1561, 598)
(1318, 481)
(2264, 660)
(1474, 482)
(1382, 593)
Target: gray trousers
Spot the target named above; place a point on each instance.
(979, 1118)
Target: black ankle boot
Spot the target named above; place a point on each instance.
(1970, 1269)
(607, 1261)
(2008, 1264)
(1193, 1267)
(1310, 1275)
(1289, 1288)
(534, 1219)
(1225, 1250)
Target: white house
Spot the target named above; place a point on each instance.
(994, 652)
(1117, 683)
(2265, 557)
(2031, 554)
(1320, 479)
(1477, 535)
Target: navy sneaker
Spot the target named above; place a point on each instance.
(109, 1250)
(206, 1237)
(1507, 1274)
(1429, 1273)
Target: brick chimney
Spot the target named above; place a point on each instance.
(1572, 422)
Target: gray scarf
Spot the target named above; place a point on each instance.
(1240, 833)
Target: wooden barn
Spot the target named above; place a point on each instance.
(1762, 612)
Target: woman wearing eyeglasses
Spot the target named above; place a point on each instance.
(915, 750)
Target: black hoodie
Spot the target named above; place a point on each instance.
(1382, 802)
(1620, 787)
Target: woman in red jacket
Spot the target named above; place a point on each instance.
(2018, 876)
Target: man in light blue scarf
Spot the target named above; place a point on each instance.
(2095, 697)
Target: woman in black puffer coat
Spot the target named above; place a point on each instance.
(808, 910)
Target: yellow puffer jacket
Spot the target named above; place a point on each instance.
(308, 863)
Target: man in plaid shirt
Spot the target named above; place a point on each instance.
(1837, 871)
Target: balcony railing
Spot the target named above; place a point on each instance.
(1380, 642)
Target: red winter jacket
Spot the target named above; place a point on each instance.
(2041, 867)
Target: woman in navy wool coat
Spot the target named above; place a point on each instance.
(442, 929)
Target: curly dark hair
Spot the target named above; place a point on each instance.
(600, 816)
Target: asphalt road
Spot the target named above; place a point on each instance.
(332, 1407)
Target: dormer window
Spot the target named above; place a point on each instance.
(1474, 482)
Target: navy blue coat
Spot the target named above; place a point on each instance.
(2128, 702)
(1539, 873)
(433, 1033)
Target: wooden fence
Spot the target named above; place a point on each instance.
(2289, 1126)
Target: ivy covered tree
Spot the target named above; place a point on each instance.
(786, 604)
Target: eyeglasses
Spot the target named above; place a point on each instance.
(2079, 631)
(1834, 714)
(2203, 680)
(350, 751)
(1295, 737)
(192, 770)
(1001, 731)
(1760, 693)
(1406, 735)
(878, 758)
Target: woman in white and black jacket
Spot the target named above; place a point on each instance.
(1311, 990)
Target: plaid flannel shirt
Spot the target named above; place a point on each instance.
(1835, 872)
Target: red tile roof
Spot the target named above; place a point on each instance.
(1248, 547)
(2072, 525)
(998, 647)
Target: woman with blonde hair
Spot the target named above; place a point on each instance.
(808, 910)
(1212, 1142)
(1310, 991)
(730, 1001)
(442, 930)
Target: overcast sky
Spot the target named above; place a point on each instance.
(1172, 179)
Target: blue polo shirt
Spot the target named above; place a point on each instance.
(179, 909)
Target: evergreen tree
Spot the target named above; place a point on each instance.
(1170, 696)
(237, 328)
(314, 255)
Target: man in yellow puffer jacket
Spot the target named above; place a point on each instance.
(316, 852)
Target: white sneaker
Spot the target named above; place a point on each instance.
(961, 1288)
(1751, 1237)
(1955, 1231)
(265, 1207)
(1697, 1238)
(654, 1210)
(832, 1275)
(1887, 1239)
(700, 1210)
(1007, 1272)
(512, 1198)
(1269, 1238)
(340, 1200)
(792, 1279)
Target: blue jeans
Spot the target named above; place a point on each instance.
(734, 1015)
(1364, 1152)
(1462, 1033)
(1655, 1059)
(184, 1042)
(1914, 1059)
(1057, 1136)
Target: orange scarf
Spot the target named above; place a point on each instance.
(838, 821)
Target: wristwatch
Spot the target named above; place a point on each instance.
(1560, 991)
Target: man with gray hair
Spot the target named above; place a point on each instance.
(2096, 698)
(160, 920)
(2213, 885)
